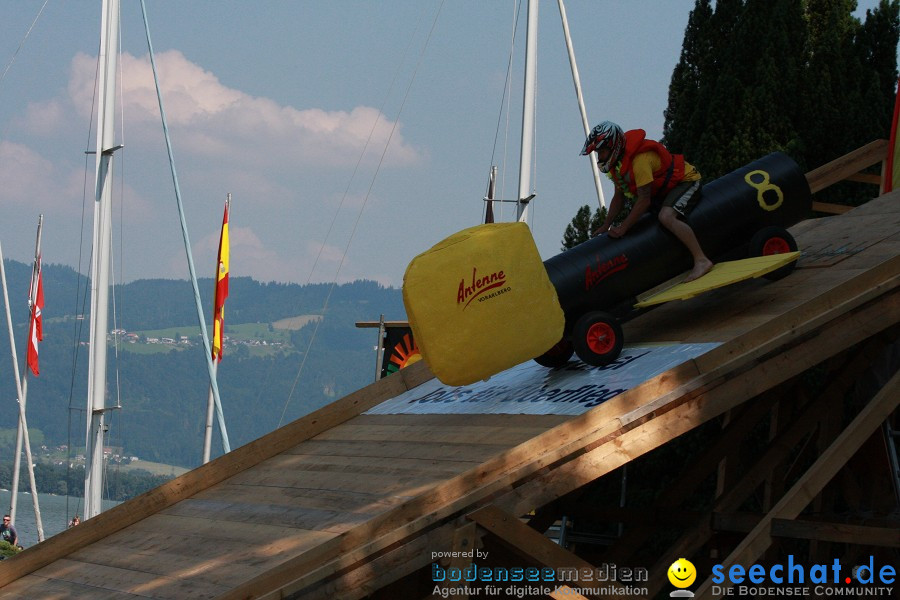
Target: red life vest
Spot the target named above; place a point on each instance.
(669, 174)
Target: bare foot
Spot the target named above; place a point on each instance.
(701, 268)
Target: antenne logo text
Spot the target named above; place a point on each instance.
(478, 285)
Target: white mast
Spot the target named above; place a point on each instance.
(528, 113)
(100, 259)
(576, 79)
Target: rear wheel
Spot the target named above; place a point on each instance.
(597, 338)
(774, 240)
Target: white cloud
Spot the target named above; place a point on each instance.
(217, 122)
(30, 181)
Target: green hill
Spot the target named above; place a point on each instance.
(163, 386)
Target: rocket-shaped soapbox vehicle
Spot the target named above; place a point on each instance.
(743, 214)
(482, 300)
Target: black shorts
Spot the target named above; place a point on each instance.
(682, 198)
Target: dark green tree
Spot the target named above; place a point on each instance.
(806, 78)
(581, 227)
(686, 78)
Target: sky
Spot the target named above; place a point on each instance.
(352, 135)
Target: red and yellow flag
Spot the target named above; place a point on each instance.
(221, 289)
(36, 329)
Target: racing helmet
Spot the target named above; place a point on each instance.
(605, 135)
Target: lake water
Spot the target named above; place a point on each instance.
(56, 512)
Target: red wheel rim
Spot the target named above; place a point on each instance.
(601, 338)
(776, 245)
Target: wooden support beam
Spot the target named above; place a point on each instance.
(464, 542)
(782, 446)
(841, 533)
(525, 540)
(529, 543)
(830, 208)
(847, 165)
(731, 437)
(811, 483)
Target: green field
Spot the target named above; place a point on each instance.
(261, 339)
(152, 467)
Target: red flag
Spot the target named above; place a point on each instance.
(891, 175)
(221, 289)
(36, 330)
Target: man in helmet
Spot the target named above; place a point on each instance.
(657, 180)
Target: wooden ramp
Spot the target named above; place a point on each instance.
(341, 505)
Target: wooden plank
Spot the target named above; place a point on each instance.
(390, 449)
(299, 497)
(296, 517)
(34, 587)
(101, 577)
(388, 482)
(310, 463)
(814, 479)
(460, 421)
(849, 164)
(434, 433)
(197, 560)
(842, 533)
(216, 529)
(211, 473)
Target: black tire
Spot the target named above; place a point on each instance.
(597, 338)
(557, 356)
(774, 240)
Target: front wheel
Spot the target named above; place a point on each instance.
(774, 240)
(597, 338)
(557, 356)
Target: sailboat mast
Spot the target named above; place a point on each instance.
(100, 260)
(528, 112)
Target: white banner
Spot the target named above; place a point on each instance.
(531, 389)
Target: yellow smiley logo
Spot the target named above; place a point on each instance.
(682, 573)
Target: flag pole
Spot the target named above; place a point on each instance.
(22, 391)
(211, 399)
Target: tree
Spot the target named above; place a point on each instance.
(581, 227)
(806, 78)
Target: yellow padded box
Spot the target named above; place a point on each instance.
(480, 302)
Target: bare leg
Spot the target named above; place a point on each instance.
(702, 265)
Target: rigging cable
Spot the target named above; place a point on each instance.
(363, 205)
(187, 242)
(506, 97)
(22, 43)
(337, 211)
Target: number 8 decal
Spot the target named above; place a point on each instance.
(762, 187)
